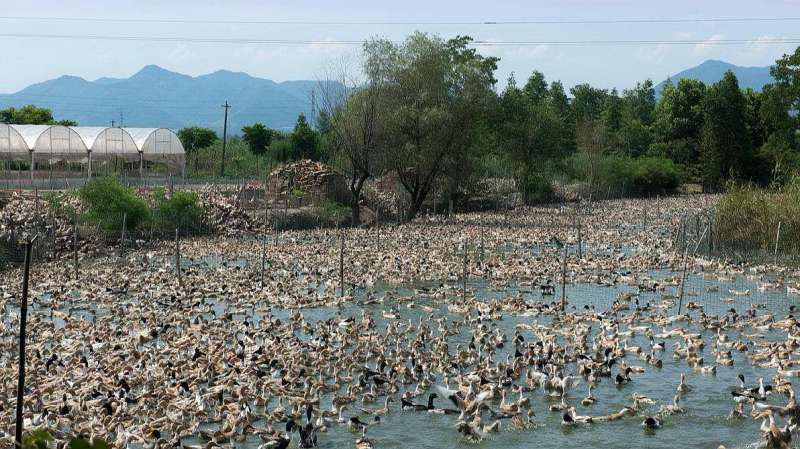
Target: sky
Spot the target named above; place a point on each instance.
(31, 59)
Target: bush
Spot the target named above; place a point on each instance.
(106, 202)
(535, 188)
(181, 210)
(651, 175)
(636, 176)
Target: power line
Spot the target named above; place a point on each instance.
(488, 43)
(610, 21)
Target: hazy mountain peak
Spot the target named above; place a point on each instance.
(710, 71)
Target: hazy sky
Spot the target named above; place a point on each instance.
(32, 59)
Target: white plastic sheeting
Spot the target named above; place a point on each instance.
(12, 144)
(85, 143)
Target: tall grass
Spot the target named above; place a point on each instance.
(748, 217)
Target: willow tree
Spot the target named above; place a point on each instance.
(355, 125)
(438, 92)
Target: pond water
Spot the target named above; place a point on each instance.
(704, 425)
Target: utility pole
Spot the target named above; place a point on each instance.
(224, 138)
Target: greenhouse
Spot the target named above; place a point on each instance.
(38, 148)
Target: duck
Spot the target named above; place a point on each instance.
(651, 423)
(683, 388)
(590, 399)
(363, 442)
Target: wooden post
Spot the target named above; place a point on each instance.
(464, 280)
(23, 322)
(658, 206)
(341, 266)
(564, 279)
(450, 208)
(275, 222)
(75, 246)
(122, 236)
(264, 247)
(580, 238)
(683, 276)
(777, 240)
(483, 231)
(644, 217)
(178, 256)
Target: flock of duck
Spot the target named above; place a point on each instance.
(128, 354)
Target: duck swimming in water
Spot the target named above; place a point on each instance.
(651, 423)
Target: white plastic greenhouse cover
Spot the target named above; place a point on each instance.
(159, 145)
(55, 142)
(108, 143)
(12, 144)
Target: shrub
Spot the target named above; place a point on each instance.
(106, 202)
(181, 210)
(535, 188)
(637, 176)
(650, 175)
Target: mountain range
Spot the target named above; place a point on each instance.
(156, 97)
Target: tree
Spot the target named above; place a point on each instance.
(439, 90)
(305, 141)
(591, 139)
(726, 151)
(530, 133)
(353, 120)
(258, 138)
(194, 138)
(638, 104)
(587, 102)
(32, 115)
(678, 121)
(786, 72)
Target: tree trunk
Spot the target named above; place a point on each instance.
(356, 211)
(355, 190)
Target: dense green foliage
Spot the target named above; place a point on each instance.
(31, 115)
(622, 175)
(106, 202)
(194, 138)
(180, 210)
(258, 137)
